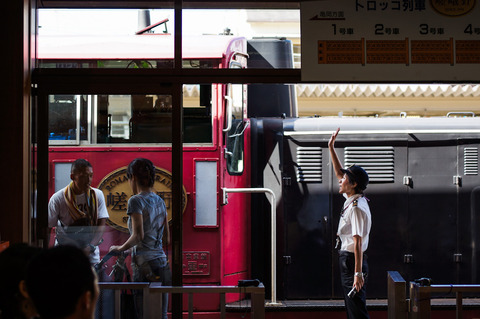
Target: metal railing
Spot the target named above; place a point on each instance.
(152, 296)
(273, 231)
(420, 296)
(419, 304)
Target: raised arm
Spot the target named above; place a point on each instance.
(337, 166)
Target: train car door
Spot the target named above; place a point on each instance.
(234, 217)
(307, 260)
(432, 213)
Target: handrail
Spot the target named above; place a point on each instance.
(123, 285)
(156, 287)
(420, 307)
(273, 228)
(454, 288)
(150, 300)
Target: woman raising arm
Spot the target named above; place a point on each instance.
(353, 232)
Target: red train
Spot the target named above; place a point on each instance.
(111, 130)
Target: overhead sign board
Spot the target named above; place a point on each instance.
(390, 41)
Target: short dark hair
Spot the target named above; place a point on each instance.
(13, 268)
(57, 278)
(79, 165)
(143, 170)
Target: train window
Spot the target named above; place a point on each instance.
(238, 93)
(126, 119)
(235, 148)
(234, 136)
(151, 120)
(66, 122)
(62, 174)
(197, 113)
(206, 193)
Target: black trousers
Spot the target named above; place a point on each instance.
(356, 306)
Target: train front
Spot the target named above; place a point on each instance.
(111, 129)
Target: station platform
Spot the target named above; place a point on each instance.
(442, 308)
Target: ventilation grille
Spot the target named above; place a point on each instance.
(470, 161)
(377, 161)
(309, 164)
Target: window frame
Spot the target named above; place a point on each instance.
(138, 81)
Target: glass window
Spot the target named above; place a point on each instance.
(197, 113)
(139, 38)
(206, 186)
(105, 38)
(235, 148)
(151, 120)
(66, 120)
(116, 119)
(234, 136)
(270, 34)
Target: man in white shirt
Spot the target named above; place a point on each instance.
(78, 212)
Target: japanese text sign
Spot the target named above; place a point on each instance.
(390, 41)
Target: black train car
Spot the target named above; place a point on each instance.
(424, 197)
